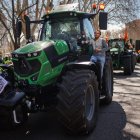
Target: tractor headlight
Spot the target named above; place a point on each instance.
(16, 55)
(29, 55)
(115, 52)
(34, 54)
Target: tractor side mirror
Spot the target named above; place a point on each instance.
(18, 27)
(28, 29)
(103, 20)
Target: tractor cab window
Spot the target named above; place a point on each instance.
(116, 44)
(88, 28)
(63, 29)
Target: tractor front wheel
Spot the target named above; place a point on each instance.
(78, 101)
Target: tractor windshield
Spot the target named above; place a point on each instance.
(61, 29)
(116, 44)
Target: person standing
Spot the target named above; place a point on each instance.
(99, 50)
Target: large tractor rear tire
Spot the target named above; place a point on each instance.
(127, 66)
(107, 89)
(133, 62)
(78, 101)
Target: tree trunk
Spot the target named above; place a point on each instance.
(13, 25)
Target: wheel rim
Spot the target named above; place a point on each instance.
(90, 103)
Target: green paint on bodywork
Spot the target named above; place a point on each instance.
(47, 74)
(60, 47)
(34, 47)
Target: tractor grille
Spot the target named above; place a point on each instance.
(25, 67)
(114, 56)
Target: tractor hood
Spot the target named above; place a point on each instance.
(34, 47)
(114, 49)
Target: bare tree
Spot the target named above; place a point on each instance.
(10, 10)
(122, 11)
(119, 11)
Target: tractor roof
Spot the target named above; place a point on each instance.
(65, 7)
(68, 10)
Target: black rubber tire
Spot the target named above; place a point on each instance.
(127, 66)
(78, 101)
(107, 89)
(133, 62)
(138, 58)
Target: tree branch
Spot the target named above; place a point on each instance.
(7, 11)
(5, 26)
(26, 9)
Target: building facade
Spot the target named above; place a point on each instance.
(133, 29)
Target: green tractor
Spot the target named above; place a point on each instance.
(56, 71)
(122, 56)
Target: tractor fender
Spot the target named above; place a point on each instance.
(82, 65)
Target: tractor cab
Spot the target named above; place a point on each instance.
(72, 26)
(66, 22)
(116, 45)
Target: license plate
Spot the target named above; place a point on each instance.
(3, 84)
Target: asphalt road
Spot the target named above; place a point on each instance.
(118, 121)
